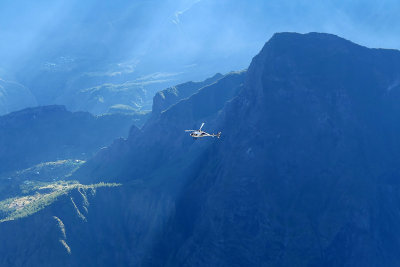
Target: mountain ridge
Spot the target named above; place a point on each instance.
(52, 132)
(167, 97)
(305, 172)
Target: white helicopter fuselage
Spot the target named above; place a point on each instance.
(199, 133)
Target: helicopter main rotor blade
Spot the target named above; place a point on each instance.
(190, 130)
(201, 126)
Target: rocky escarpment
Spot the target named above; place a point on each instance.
(56, 232)
(307, 175)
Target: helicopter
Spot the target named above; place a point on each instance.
(199, 133)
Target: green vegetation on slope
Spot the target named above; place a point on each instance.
(41, 195)
(19, 182)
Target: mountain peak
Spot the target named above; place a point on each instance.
(309, 35)
(290, 57)
(291, 39)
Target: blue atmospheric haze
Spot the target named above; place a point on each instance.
(179, 36)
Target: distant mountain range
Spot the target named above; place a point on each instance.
(304, 174)
(47, 133)
(172, 95)
(94, 55)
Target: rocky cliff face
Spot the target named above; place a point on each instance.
(162, 140)
(305, 173)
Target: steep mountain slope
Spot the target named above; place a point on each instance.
(162, 139)
(46, 238)
(17, 183)
(305, 174)
(49, 133)
(135, 211)
(308, 173)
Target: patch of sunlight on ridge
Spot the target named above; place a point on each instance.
(41, 196)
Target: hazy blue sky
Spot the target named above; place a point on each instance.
(202, 36)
